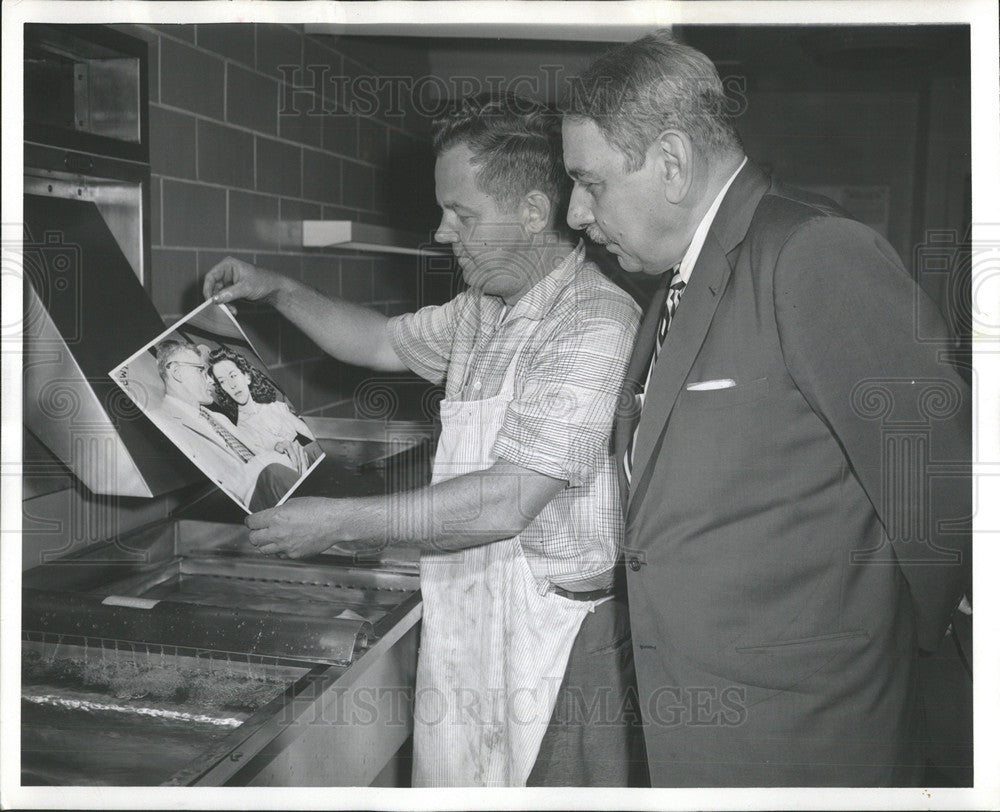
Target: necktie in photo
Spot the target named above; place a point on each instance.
(674, 294)
(234, 444)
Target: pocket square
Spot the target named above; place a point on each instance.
(701, 386)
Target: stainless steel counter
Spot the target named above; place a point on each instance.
(177, 654)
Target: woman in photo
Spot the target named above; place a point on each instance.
(243, 390)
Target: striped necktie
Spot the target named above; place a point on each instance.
(230, 439)
(666, 317)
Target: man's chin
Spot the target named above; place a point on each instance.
(482, 278)
(630, 264)
(633, 265)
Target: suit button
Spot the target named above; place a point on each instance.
(634, 563)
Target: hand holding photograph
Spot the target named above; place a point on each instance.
(205, 387)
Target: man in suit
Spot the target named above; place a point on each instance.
(793, 451)
(254, 476)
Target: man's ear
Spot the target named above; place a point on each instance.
(536, 209)
(672, 153)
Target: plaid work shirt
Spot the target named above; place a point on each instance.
(577, 330)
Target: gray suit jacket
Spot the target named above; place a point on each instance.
(789, 539)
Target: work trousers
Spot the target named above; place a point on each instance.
(594, 738)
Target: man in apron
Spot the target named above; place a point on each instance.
(525, 660)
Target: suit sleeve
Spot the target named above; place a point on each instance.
(864, 346)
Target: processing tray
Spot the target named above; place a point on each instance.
(152, 671)
(178, 654)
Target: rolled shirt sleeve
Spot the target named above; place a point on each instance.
(423, 340)
(560, 419)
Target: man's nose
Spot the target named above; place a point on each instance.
(578, 214)
(445, 233)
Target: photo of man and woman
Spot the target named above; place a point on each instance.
(203, 384)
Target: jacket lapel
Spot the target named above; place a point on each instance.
(687, 332)
(694, 316)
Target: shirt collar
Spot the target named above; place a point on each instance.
(537, 302)
(701, 233)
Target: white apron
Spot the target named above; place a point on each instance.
(493, 650)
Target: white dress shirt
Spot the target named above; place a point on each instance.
(690, 258)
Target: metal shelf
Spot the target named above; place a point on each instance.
(354, 236)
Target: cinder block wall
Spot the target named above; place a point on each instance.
(247, 138)
(230, 171)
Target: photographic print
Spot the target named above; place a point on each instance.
(205, 387)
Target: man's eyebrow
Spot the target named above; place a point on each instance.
(578, 174)
(454, 205)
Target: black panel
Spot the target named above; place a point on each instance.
(102, 312)
(86, 283)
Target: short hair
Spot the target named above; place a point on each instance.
(516, 146)
(637, 90)
(167, 349)
(261, 389)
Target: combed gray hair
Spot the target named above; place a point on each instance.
(516, 146)
(166, 350)
(637, 90)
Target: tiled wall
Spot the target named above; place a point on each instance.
(227, 170)
(247, 138)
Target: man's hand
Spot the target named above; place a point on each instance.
(234, 279)
(308, 526)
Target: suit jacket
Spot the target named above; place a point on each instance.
(181, 423)
(790, 538)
